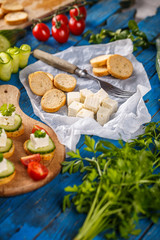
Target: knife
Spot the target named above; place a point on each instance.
(68, 67)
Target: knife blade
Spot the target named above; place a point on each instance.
(68, 67)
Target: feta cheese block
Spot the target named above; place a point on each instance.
(110, 103)
(3, 138)
(39, 142)
(84, 93)
(73, 96)
(102, 94)
(74, 108)
(92, 103)
(7, 120)
(103, 115)
(84, 113)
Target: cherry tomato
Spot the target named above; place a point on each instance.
(60, 33)
(76, 26)
(61, 17)
(31, 158)
(82, 12)
(37, 171)
(41, 32)
(37, 127)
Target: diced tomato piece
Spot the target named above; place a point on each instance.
(37, 127)
(31, 158)
(37, 171)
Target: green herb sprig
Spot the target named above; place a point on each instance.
(133, 32)
(39, 134)
(7, 110)
(119, 186)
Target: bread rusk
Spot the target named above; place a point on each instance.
(16, 18)
(53, 100)
(1, 13)
(99, 60)
(10, 153)
(100, 71)
(16, 133)
(11, 6)
(65, 82)
(40, 82)
(45, 157)
(119, 66)
(5, 180)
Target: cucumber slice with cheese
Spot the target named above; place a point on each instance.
(41, 150)
(10, 169)
(7, 147)
(15, 126)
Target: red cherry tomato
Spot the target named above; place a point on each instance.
(41, 32)
(82, 12)
(60, 33)
(36, 127)
(76, 26)
(61, 17)
(37, 171)
(31, 158)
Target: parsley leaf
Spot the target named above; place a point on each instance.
(39, 134)
(7, 111)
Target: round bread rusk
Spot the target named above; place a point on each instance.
(50, 76)
(65, 82)
(16, 18)
(100, 71)
(11, 6)
(45, 157)
(10, 153)
(99, 60)
(40, 82)
(1, 13)
(16, 133)
(53, 100)
(7, 179)
(119, 66)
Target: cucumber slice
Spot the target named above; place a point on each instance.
(5, 66)
(16, 126)
(41, 150)
(25, 51)
(7, 147)
(10, 170)
(14, 52)
(4, 43)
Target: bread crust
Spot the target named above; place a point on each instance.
(119, 66)
(53, 100)
(40, 82)
(65, 82)
(7, 179)
(16, 133)
(16, 18)
(45, 157)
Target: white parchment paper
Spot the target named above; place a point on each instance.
(126, 123)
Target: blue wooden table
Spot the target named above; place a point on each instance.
(38, 214)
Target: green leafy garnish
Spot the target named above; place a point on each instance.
(133, 32)
(119, 185)
(1, 157)
(7, 111)
(39, 134)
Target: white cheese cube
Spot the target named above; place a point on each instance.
(3, 138)
(3, 165)
(84, 93)
(110, 103)
(103, 115)
(102, 94)
(39, 142)
(85, 113)
(92, 103)
(74, 108)
(73, 96)
(7, 120)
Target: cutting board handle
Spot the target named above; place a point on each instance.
(54, 61)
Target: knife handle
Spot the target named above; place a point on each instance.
(54, 61)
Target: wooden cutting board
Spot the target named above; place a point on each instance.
(22, 183)
(36, 9)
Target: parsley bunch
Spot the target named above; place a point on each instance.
(7, 110)
(133, 32)
(120, 185)
(39, 134)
